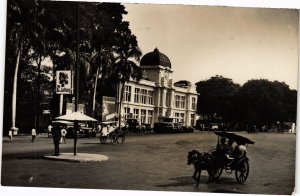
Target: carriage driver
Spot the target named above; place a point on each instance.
(225, 151)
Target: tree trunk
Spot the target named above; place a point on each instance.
(95, 90)
(14, 97)
(37, 110)
(120, 104)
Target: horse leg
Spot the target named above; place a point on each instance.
(194, 175)
(209, 176)
(198, 178)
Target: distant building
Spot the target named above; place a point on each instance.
(155, 98)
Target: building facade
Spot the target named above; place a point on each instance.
(155, 98)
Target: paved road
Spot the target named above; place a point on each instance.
(149, 162)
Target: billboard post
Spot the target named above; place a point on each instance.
(64, 85)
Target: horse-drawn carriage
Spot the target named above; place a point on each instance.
(217, 160)
(112, 132)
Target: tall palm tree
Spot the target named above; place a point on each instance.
(103, 61)
(22, 33)
(126, 66)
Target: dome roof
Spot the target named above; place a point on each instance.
(156, 58)
(183, 83)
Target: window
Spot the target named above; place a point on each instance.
(176, 117)
(136, 95)
(179, 101)
(182, 102)
(150, 97)
(150, 114)
(167, 99)
(127, 93)
(136, 113)
(143, 116)
(143, 96)
(179, 117)
(126, 112)
(192, 119)
(193, 103)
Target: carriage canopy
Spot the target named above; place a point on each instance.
(234, 137)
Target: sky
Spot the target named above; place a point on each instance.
(236, 43)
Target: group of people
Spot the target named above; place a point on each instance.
(13, 129)
(228, 153)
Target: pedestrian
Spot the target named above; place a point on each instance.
(56, 135)
(33, 135)
(10, 135)
(49, 130)
(63, 132)
(99, 128)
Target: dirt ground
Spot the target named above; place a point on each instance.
(150, 163)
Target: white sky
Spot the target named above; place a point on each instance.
(238, 43)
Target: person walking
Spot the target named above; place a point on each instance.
(10, 135)
(63, 134)
(33, 135)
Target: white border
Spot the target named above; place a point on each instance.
(292, 4)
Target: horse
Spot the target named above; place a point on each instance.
(201, 161)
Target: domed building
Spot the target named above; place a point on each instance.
(155, 98)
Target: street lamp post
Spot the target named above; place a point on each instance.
(76, 80)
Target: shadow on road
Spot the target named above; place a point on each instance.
(189, 181)
(181, 181)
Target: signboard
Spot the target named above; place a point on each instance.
(71, 108)
(64, 82)
(46, 112)
(108, 107)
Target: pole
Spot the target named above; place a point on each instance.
(61, 101)
(76, 80)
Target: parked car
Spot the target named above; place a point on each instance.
(178, 128)
(214, 126)
(135, 126)
(83, 131)
(164, 127)
(188, 129)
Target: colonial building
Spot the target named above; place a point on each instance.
(155, 98)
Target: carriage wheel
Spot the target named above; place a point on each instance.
(242, 171)
(216, 173)
(121, 139)
(103, 139)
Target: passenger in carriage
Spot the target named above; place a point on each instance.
(240, 150)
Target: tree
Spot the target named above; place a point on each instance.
(102, 32)
(215, 99)
(126, 67)
(21, 36)
(262, 101)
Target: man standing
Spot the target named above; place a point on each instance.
(33, 135)
(56, 135)
(49, 130)
(10, 135)
(63, 134)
